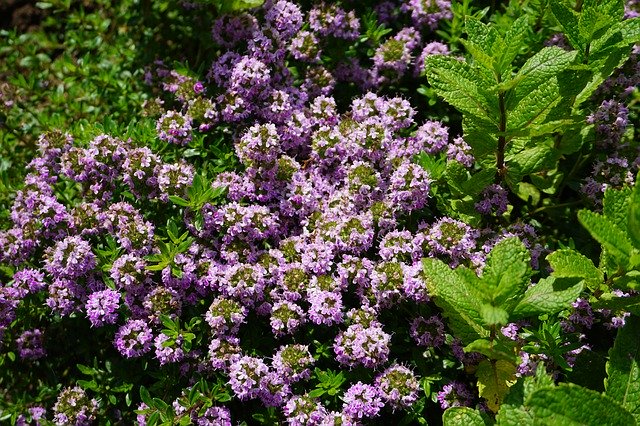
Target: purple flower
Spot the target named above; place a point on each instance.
(245, 375)
(286, 317)
(169, 349)
(224, 351)
(303, 410)
(494, 200)
(102, 307)
(360, 345)
(428, 332)
(174, 127)
(133, 339)
(73, 406)
(428, 13)
(259, 144)
(292, 362)
(362, 400)
(455, 394)
(398, 386)
(225, 316)
(452, 238)
(174, 179)
(305, 47)
(70, 258)
(30, 344)
(460, 151)
(29, 279)
(284, 17)
(326, 307)
(329, 19)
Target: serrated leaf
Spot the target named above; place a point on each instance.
(569, 21)
(493, 315)
(548, 296)
(615, 206)
(513, 41)
(623, 370)
(568, 263)
(531, 160)
(458, 300)
(538, 69)
(494, 380)
(506, 272)
(478, 182)
(89, 371)
(612, 239)
(462, 416)
(457, 83)
(492, 350)
(569, 404)
(536, 106)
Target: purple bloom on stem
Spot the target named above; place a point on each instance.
(102, 307)
(133, 339)
(362, 400)
(30, 344)
(455, 394)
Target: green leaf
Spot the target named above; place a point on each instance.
(569, 404)
(506, 272)
(513, 41)
(493, 350)
(89, 371)
(548, 296)
(462, 416)
(633, 217)
(537, 71)
(179, 201)
(459, 301)
(494, 380)
(457, 82)
(493, 315)
(615, 206)
(569, 21)
(613, 240)
(568, 263)
(623, 371)
(144, 396)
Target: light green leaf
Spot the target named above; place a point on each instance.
(513, 41)
(568, 263)
(623, 371)
(569, 404)
(494, 380)
(457, 82)
(542, 66)
(548, 296)
(536, 106)
(493, 315)
(506, 272)
(633, 216)
(613, 240)
(462, 416)
(569, 21)
(459, 301)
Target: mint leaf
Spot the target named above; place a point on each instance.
(463, 416)
(568, 263)
(506, 272)
(542, 66)
(623, 371)
(569, 404)
(459, 301)
(548, 296)
(613, 240)
(457, 82)
(494, 380)
(633, 216)
(569, 21)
